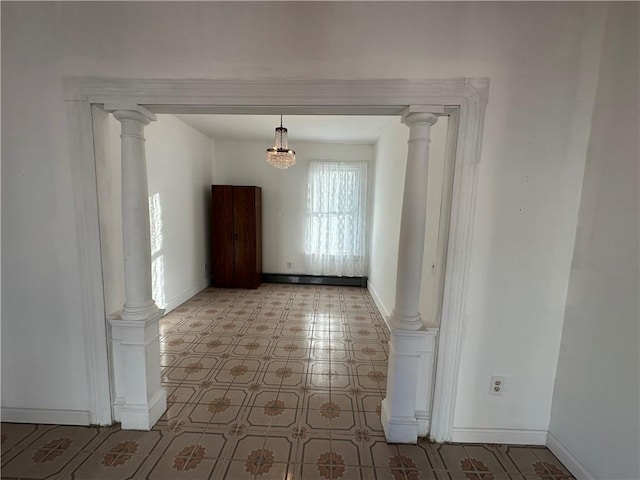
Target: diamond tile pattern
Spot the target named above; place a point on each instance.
(282, 382)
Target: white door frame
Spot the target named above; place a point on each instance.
(271, 96)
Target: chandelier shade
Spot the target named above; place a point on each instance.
(280, 156)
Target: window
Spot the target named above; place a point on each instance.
(336, 212)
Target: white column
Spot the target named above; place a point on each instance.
(405, 314)
(407, 395)
(139, 397)
(135, 217)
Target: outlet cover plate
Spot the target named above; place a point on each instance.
(497, 385)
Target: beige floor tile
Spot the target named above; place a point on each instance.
(550, 462)
(346, 423)
(190, 363)
(373, 381)
(198, 416)
(400, 474)
(322, 368)
(211, 348)
(316, 398)
(173, 413)
(381, 453)
(63, 438)
(370, 402)
(369, 351)
(314, 421)
(371, 421)
(182, 394)
(524, 460)
(448, 457)
(342, 382)
(241, 448)
(413, 457)
(15, 434)
(47, 461)
(184, 445)
(346, 451)
(107, 466)
(252, 347)
(319, 381)
(228, 417)
(290, 399)
(311, 471)
(312, 446)
(125, 442)
(282, 445)
(487, 459)
(190, 465)
(169, 360)
(284, 381)
(290, 377)
(246, 469)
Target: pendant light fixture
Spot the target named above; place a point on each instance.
(280, 156)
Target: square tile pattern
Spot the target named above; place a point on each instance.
(282, 382)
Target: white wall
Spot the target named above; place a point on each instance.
(595, 417)
(109, 186)
(533, 156)
(181, 171)
(180, 164)
(284, 192)
(433, 261)
(388, 185)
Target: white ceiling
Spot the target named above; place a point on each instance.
(302, 128)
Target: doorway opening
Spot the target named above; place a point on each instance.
(188, 153)
(465, 97)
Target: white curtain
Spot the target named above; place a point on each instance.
(336, 213)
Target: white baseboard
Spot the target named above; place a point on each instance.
(376, 299)
(182, 297)
(497, 435)
(567, 459)
(49, 416)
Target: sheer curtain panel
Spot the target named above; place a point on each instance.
(336, 213)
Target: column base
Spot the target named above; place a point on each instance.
(140, 314)
(406, 410)
(141, 416)
(405, 322)
(398, 429)
(135, 357)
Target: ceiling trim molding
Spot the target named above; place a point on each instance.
(278, 93)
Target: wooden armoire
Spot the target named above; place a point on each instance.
(236, 236)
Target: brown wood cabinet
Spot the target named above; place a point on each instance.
(236, 236)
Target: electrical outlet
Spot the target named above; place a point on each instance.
(497, 386)
(289, 265)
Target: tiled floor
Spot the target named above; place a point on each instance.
(283, 382)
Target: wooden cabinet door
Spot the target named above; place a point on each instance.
(222, 236)
(244, 214)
